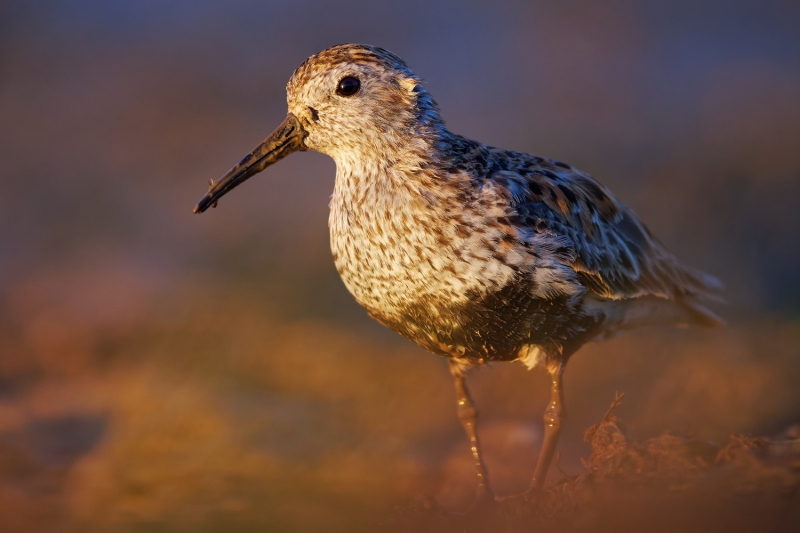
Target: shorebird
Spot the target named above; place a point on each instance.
(474, 253)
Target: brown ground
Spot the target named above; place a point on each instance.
(214, 413)
(666, 483)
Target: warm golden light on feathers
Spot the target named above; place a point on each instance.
(475, 253)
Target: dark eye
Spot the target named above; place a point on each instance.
(348, 86)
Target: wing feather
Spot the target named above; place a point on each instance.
(615, 255)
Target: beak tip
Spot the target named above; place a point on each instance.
(287, 138)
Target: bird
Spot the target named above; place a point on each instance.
(475, 253)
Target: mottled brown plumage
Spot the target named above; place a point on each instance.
(473, 252)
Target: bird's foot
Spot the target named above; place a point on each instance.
(485, 501)
(515, 504)
(482, 515)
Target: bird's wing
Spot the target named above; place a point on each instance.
(614, 254)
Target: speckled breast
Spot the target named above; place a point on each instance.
(401, 263)
(418, 272)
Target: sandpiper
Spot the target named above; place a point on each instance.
(474, 253)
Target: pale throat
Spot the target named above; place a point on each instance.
(373, 189)
(383, 168)
(381, 239)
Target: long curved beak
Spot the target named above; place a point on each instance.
(287, 138)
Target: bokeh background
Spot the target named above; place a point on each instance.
(163, 371)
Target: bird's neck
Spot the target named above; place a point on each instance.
(389, 165)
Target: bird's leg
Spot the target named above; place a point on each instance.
(468, 415)
(553, 421)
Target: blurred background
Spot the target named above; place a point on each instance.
(163, 371)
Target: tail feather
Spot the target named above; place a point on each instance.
(702, 315)
(699, 286)
(616, 316)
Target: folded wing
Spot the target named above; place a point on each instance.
(614, 254)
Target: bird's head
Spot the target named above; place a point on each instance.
(352, 102)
